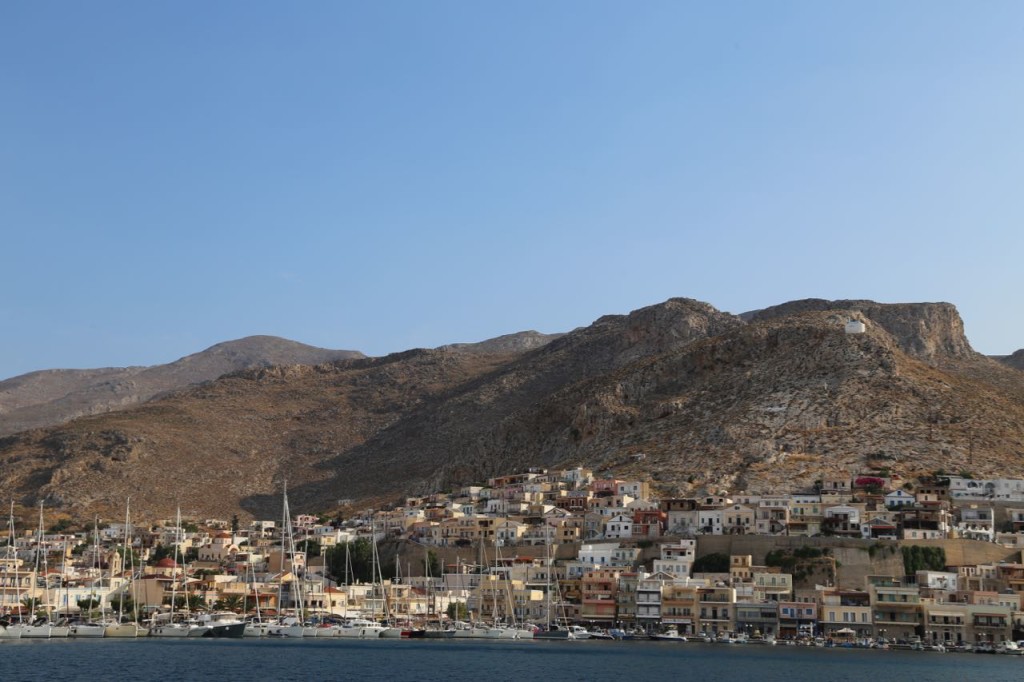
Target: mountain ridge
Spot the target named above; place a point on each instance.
(48, 397)
(714, 401)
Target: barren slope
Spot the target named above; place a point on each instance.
(713, 401)
(51, 397)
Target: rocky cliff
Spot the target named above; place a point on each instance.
(923, 330)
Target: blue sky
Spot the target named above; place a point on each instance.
(388, 175)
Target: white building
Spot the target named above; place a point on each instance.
(1006, 489)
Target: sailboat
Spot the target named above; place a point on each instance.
(290, 626)
(62, 627)
(255, 626)
(165, 624)
(90, 628)
(362, 628)
(41, 628)
(475, 629)
(393, 630)
(436, 629)
(511, 630)
(130, 628)
(555, 630)
(11, 630)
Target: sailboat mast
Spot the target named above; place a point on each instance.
(8, 563)
(297, 595)
(99, 569)
(284, 525)
(129, 559)
(174, 574)
(46, 578)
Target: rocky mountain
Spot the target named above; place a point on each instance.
(923, 330)
(509, 343)
(50, 397)
(769, 400)
(1016, 360)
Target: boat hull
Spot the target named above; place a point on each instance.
(439, 634)
(125, 630)
(555, 634)
(12, 631)
(36, 631)
(226, 630)
(87, 630)
(362, 631)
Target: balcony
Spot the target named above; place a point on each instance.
(893, 617)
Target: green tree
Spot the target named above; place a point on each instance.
(433, 563)
(457, 610)
(61, 526)
(129, 557)
(917, 558)
(29, 604)
(122, 603)
(191, 602)
(207, 572)
(231, 602)
(88, 603)
(712, 563)
(161, 552)
(234, 524)
(361, 557)
(310, 547)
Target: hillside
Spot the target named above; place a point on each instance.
(1016, 360)
(769, 400)
(51, 397)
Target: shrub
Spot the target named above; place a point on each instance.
(917, 558)
(712, 563)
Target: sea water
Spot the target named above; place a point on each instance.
(480, 660)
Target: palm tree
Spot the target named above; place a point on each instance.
(193, 602)
(231, 602)
(30, 604)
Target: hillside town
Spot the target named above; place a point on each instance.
(867, 559)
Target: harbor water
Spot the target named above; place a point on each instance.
(396, 660)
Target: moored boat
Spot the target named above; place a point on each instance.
(222, 624)
(125, 630)
(12, 631)
(361, 628)
(1010, 648)
(670, 635)
(38, 629)
(257, 627)
(567, 632)
(86, 629)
